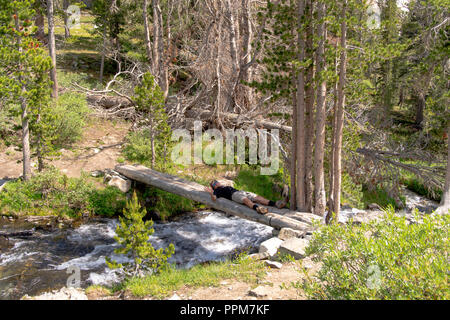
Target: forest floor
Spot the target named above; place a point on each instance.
(99, 149)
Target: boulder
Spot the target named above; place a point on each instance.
(374, 206)
(97, 173)
(122, 184)
(63, 294)
(260, 292)
(270, 246)
(295, 247)
(273, 264)
(288, 233)
(3, 184)
(259, 256)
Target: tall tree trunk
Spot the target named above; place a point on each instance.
(444, 207)
(319, 182)
(309, 112)
(300, 197)
(233, 53)
(294, 145)
(26, 153)
(102, 62)
(66, 19)
(52, 46)
(420, 107)
(148, 43)
(247, 36)
(40, 23)
(158, 49)
(337, 150)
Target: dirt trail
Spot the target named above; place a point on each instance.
(99, 149)
(276, 285)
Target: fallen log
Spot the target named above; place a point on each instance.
(195, 192)
(16, 234)
(108, 102)
(237, 118)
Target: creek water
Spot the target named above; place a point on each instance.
(44, 261)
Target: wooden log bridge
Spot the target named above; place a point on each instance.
(276, 218)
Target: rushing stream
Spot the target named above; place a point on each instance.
(40, 262)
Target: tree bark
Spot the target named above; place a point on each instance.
(52, 46)
(294, 146)
(300, 169)
(319, 182)
(66, 19)
(444, 206)
(26, 153)
(337, 151)
(148, 43)
(40, 23)
(160, 67)
(309, 112)
(247, 36)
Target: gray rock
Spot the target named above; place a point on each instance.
(270, 246)
(260, 292)
(273, 264)
(97, 173)
(374, 206)
(294, 247)
(288, 233)
(122, 184)
(259, 256)
(3, 184)
(174, 297)
(63, 294)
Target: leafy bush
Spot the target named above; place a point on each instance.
(133, 237)
(67, 119)
(51, 192)
(388, 259)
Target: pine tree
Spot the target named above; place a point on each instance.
(24, 66)
(150, 101)
(133, 237)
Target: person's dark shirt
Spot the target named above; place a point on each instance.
(224, 192)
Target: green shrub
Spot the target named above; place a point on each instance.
(133, 237)
(380, 197)
(51, 192)
(67, 119)
(387, 259)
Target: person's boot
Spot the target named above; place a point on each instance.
(280, 204)
(261, 210)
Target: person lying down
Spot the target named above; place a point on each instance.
(251, 200)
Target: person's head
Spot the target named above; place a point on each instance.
(214, 184)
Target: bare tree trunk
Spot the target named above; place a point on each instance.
(233, 53)
(66, 19)
(40, 24)
(148, 43)
(52, 46)
(319, 182)
(294, 145)
(309, 112)
(337, 151)
(300, 169)
(420, 107)
(102, 62)
(246, 49)
(158, 49)
(445, 201)
(26, 153)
